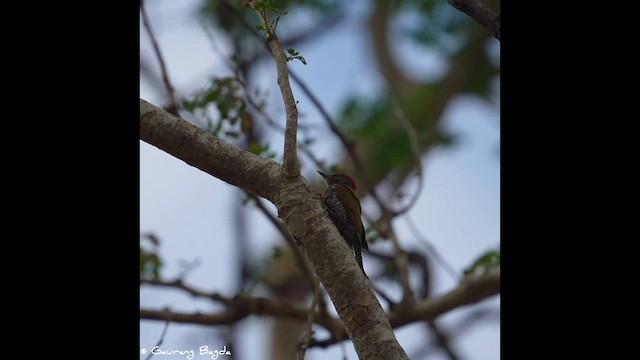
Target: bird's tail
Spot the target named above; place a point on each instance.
(358, 251)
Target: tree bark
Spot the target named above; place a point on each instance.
(303, 214)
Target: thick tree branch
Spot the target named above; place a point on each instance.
(301, 209)
(201, 149)
(479, 12)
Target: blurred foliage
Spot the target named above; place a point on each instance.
(484, 263)
(150, 265)
(381, 142)
(150, 262)
(262, 150)
(439, 25)
(230, 14)
(226, 96)
(266, 8)
(385, 143)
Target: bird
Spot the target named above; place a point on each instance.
(344, 209)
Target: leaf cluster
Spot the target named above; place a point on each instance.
(226, 97)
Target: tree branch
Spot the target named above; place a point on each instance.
(432, 250)
(164, 332)
(415, 151)
(291, 166)
(312, 311)
(179, 284)
(301, 209)
(201, 149)
(241, 307)
(173, 104)
(473, 289)
(479, 12)
(348, 144)
(402, 264)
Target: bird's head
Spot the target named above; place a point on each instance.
(340, 179)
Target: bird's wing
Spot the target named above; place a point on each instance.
(354, 211)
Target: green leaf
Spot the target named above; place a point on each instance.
(257, 148)
(485, 262)
(150, 265)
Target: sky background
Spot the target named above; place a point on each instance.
(190, 211)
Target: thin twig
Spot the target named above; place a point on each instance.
(317, 30)
(402, 264)
(312, 311)
(427, 348)
(443, 340)
(348, 144)
(415, 151)
(179, 284)
(432, 250)
(164, 331)
(173, 104)
(392, 304)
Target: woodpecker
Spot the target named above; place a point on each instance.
(343, 206)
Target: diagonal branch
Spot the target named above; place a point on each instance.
(173, 104)
(301, 209)
(312, 311)
(164, 332)
(402, 264)
(479, 12)
(432, 250)
(199, 148)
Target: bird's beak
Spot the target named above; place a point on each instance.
(323, 174)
